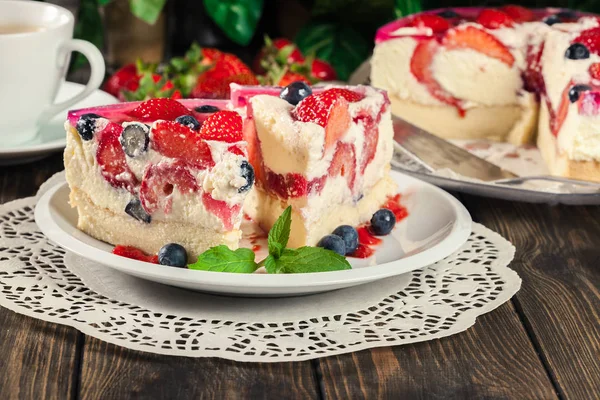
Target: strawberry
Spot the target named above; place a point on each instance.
(147, 86)
(589, 104)
(518, 13)
(221, 209)
(175, 140)
(111, 159)
(344, 163)
(494, 19)
(214, 84)
(254, 150)
(290, 77)
(290, 185)
(160, 181)
(420, 67)
(134, 253)
(322, 70)
(316, 107)
(469, 37)
(591, 39)
(155, 109)
(559, 117)
(594, 70)
(119, 79)
(280, 51)
(225, 126)
(436, 23)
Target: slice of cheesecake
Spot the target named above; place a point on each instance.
(162, 171)
(328, 157)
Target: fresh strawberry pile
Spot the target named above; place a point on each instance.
(207, 72)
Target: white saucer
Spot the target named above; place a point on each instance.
(436, 227)
(51, 137)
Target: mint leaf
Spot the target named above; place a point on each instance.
(223, 259)
(237, 18)
(147, 10)
(280, 233)
(305, 260)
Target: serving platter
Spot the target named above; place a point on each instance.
(436, 226)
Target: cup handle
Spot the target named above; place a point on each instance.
(96, 61)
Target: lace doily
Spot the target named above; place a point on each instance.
(41, 280)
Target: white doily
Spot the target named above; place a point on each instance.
(41, 280)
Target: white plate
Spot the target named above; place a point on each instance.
(51, 137)
(436, 227)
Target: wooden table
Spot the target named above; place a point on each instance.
(544, 343)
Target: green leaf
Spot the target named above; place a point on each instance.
(280, 233)
(223, 259)
(403, 8)
(340, 45)
(237, 18)
(305, 260)
(102, 3)
(147, 10)
(88, 27)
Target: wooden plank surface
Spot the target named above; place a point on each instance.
(110, 372)
(558, 257)
(494, 359)
(38, 360)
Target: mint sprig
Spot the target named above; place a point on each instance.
(223, 259)
(280, 259)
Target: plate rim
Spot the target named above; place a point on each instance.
(459, 233)
(24, 150)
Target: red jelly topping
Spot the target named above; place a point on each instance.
(362, 251)
(366, 237)
(134, 253)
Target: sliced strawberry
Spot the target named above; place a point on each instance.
(221, 209)
(436, 23)
(338, 122)
(254, 151)
(236, 150)
(111, 159)
(322, 70)
(291, 185)
(558, 118)
(155, 109)
(469, 37)
(518, 13)
(494, 19)
(175, 140)
(420, 67)
(134, 253)
(594, 70)
(290, 77)
(225, 126)
(532, 76)
(316, 107)
(589, 103)
(591, 39)
(344, 164)
(119, 79)
(371, 130)
(159, 183)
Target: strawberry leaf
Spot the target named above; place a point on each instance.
(237, 18)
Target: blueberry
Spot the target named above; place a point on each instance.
(576, 90)
(383, 222)
(349, 235)
(247, 172)
(448, 14)
(333, 243)
(207, 109)
(134, 208)
(552, 19)
(134, 139)
(173, 255)
(577, 51)
(86, 125)
(189, 121)
(295, 92)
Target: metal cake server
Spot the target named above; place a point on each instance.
(432, 153)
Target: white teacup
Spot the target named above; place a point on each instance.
(36, 41)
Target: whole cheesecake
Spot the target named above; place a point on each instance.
(508, 74)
